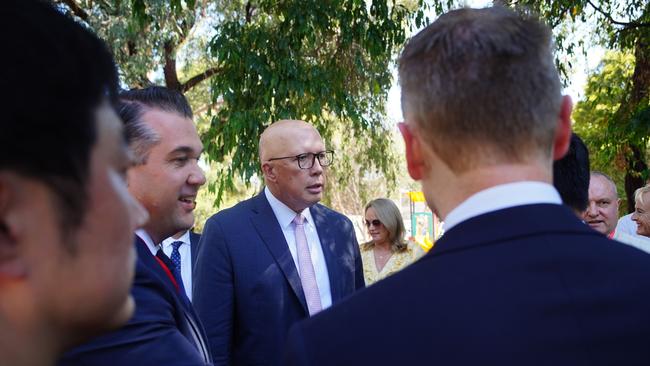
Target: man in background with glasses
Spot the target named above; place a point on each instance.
(276, 258)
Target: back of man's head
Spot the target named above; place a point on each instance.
(54, 78)
(571, 176)
(482, 87)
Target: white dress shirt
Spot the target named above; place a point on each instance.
(285, 217)
(626, 225)
(500, 197)
(185, 251)
(637, 241)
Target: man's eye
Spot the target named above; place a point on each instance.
(302, 157)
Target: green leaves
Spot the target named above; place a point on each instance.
(326, 62)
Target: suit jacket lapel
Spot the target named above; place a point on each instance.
(146, 258)
(328, 244)
(266, 224)
(144, 254)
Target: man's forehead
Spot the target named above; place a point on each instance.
(291, 139)
(170, 126)
(602, 185)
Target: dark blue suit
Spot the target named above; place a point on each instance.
(529, 285)
(163, 331)
(195, 239)
(247, 290)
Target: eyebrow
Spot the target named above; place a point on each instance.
(187, 150)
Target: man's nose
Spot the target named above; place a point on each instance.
(592, 210)
(316, 169)
(196, 177)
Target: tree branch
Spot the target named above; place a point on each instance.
(76, 9)
(250, 9)
(611, 19)
(189, 84)
(169, 68)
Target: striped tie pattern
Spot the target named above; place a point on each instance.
(307, 273)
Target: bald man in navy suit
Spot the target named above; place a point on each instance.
(252, 279)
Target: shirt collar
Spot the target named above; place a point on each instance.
(500, 197)
(282, 212)
(153, 248)
(185, 238)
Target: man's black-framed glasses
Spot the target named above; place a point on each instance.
(306, 160)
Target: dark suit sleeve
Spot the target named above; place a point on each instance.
(359, 281)
(150, 338)
(213, 291)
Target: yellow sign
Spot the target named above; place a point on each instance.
(416, 196)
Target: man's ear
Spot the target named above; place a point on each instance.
(562, 137)
(269, 172)
(414, 160)
(12, 264)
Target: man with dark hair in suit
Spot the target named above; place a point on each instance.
(66, 218)
(571, 176)
(276, 258)
(165, 180)
(517, 278)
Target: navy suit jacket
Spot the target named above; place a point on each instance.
(163, 331)
(529, 285)
(247, 289)
(195, 239)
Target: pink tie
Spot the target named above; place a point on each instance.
(307, 273)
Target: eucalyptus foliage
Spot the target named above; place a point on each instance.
(325, 62)
(622, 25)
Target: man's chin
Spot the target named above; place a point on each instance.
(598, 227)
(102, 324)
(124, 313)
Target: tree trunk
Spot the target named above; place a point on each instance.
(633, 175)
(636, 165)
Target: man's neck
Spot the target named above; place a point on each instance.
(451, 194)
(156, 235)
(19, 348)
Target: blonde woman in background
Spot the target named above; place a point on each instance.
(387, 252)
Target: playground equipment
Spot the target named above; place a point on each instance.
(425, 226)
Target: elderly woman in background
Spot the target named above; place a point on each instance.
(387, 252)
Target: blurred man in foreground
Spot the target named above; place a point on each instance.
(66, 217)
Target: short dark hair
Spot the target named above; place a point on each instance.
(132, 105)
(482, 87)
(55, 78)
(571, 175)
